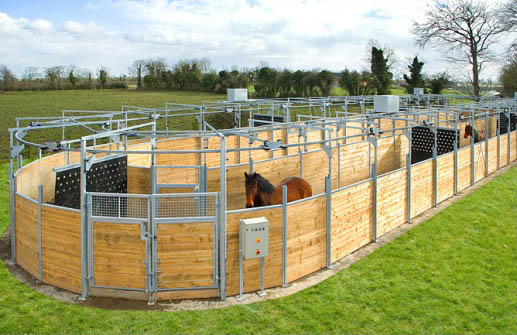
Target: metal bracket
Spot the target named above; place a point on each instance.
(269, 145)
(16, 149)
(372, 140)
(89, 162)
(327, 149)
(115, 138)
(407, 134)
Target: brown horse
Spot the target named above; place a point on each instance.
(468, 132)
(260, 192)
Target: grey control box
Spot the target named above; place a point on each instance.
(255, 237)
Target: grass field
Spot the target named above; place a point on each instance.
(453, 274)
(22, 104)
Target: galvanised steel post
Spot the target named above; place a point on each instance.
(472, 161)
(40, 202)
(435, 166)
(456, 143)
(12, 199)
(84, 225)
(222, 220)
(328, 219)
(486, 143)
(408, 167)
(373, 140)
(508, 116)
(498, 130)
(284, 235)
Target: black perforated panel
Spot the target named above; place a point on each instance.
(422, 142)
(276, 118)
(105, 176)
(503, 126)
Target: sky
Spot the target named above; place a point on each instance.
(293, 34)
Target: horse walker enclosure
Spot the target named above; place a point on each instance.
(134, 209)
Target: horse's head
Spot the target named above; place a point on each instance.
(468, 131)
(252, 188)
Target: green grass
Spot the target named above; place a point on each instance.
(51, 103)
(454, 274)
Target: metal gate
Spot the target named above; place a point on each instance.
(152, 243)
(178, 179)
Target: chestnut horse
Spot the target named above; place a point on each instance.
(260, 192)
(468, 132)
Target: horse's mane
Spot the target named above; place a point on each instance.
(264, 184)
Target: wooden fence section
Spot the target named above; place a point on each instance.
(513, 146)
(138, 180)
(464, 168)
(118, 255)
(479, 161)
(492, 155)
(421, 187)
(139, 159)
(27, 235)
(351, 219)
(185, 254)
(504, 150)
(391, 201)
(445, 182)
(251, 268)
(61, 248)
(354, 164)
(306, 238)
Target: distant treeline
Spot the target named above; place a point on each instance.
(197, 75)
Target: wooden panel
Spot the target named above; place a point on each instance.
(492, 155)
(513, 146)
(479, 161)
(178, 159)
(185, 255)
(504, 150)
(315, 169)
(391, 153)
(421, 187)
(464, 168)
(119, 255)
(306, 238)
(27, 235)
(61, 248)
(272, 263)
(351, 219)
(138, 180)
(354, 163)
(139, 159)
(391, 201)
(445, 166)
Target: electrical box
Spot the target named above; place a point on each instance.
(418, 91)
(386, 103)
(237, 94)
(255, 237)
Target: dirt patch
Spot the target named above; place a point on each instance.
(303, 283)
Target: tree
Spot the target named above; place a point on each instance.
(54, 75)
(154, 69)
(285, 83)
(438, 81)
(103, 76)
(7, 79)
(30, 74)
(266, 85)
(72, 77)
(508, 76)
(508, 17)
(415, 78)
(356, 83)
(380, 71)
(136, 70)
(464, 30)
(326, 81)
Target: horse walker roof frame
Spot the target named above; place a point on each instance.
(327, 115)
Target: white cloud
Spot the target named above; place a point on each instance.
(285, 33)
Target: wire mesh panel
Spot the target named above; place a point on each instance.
(119, 206)
(422, 142)
(262, 117)
(177, 175)
(184, 205)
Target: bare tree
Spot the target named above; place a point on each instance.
(7, 78)
(392, 60)
(30, 74)
(464, 30)
(54, 75)
(137, 70)
(508, 17)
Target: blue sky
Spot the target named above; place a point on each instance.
(292, 34)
